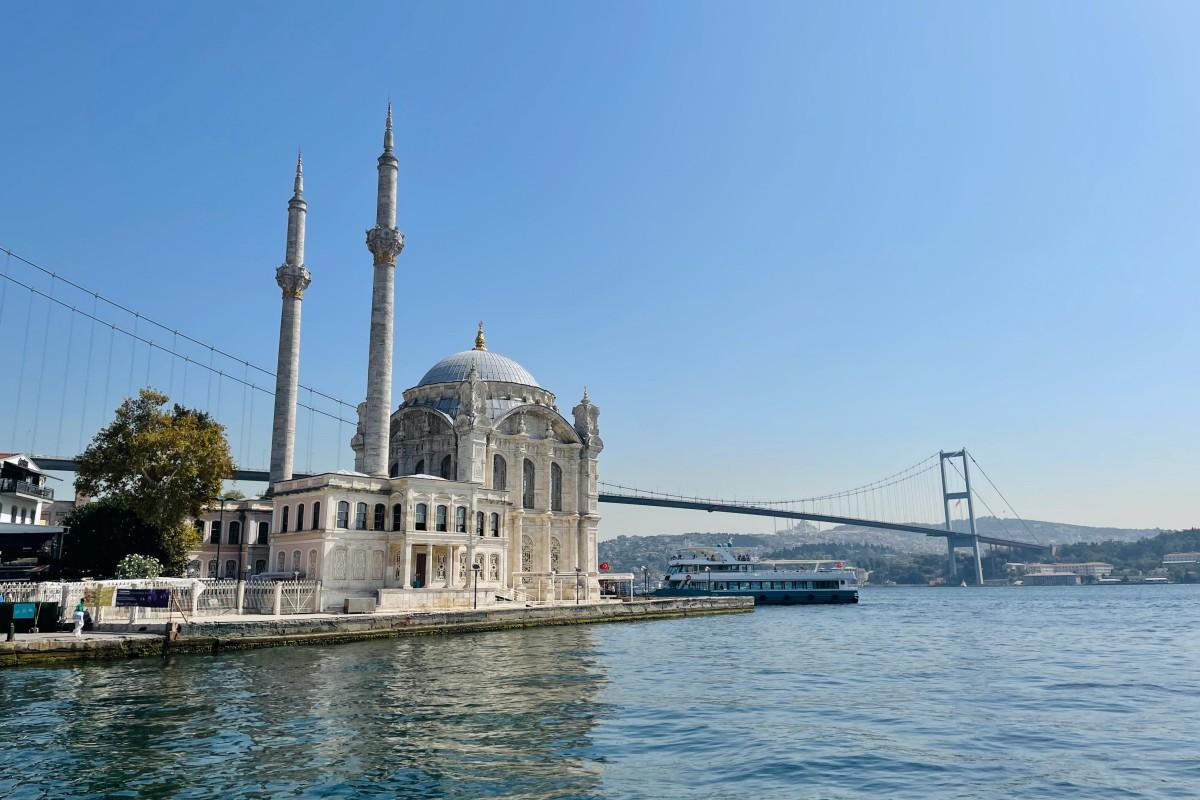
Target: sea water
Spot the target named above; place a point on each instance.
(1081, 692)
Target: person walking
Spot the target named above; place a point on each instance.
(78, 615)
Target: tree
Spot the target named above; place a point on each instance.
(104, 532)
(164, 466)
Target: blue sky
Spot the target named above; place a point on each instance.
(789, 247)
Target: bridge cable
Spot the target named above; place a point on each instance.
(21, 373)
(1001, 494)
(62, 394)
(37, 397)
(10, 254)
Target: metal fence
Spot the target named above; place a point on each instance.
(190, 598)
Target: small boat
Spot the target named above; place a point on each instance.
(721, 571)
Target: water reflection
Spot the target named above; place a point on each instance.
(501, 715)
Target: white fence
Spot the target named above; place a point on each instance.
(190, 598)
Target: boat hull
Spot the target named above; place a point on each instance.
(772, 597)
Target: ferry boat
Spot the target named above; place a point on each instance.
(698, 571)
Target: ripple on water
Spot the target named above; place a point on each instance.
(1053, 692)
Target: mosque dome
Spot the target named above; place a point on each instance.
(491, 367)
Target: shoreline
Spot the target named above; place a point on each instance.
(114, 641)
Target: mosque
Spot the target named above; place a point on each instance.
(475, 488)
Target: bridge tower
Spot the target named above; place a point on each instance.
(293, 278)
(947, 496)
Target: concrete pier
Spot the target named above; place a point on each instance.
(244, 632)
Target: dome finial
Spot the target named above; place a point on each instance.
(480, 342)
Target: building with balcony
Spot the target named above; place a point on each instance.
(23, 490)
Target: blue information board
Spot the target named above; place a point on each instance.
(145, 598)
(24, 610)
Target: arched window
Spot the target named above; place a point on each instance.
(360, 517)
(317, 522)
(214, 534)
(199, 526)
(312, 564)
(441, 518)
(280, 561)
(460, 519)
(394, 469)
(235, 532)
(343, 514)
(264, 532)
(448, 468)
(380, 516)
(420, 468)
(300, 517)
(212, 568)
(479, 517)
(420, 518)
(555, 554)
(499, 472)
(555, 487)
(495, 524)
(527, 489)
(397, 517)
(283, 522)
(231, 569)
(260, 567)
(295, 561)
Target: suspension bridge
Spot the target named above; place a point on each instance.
(75, 336)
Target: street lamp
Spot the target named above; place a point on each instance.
(708, 578)
(476, 567)
(646, 579)
(577, 572)
(220, 533)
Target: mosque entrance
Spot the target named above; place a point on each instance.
(422, 570)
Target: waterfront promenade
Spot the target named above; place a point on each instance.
(239, 632)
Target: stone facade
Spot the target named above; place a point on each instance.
(234, 540)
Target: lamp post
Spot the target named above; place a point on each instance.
(708, 578)
(577, 573)
(220, 533)
(645, 579)
(476, 567)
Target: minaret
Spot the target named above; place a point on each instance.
(293, 278)
(385, 243)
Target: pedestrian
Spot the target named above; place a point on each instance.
(78, 615)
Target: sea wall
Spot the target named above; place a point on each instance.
(253, 631)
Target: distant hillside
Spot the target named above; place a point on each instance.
(630, 552)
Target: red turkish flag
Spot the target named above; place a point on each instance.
(604, 566)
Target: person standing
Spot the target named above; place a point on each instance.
(78, 615)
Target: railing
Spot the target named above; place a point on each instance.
(14, 486)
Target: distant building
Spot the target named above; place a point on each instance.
(1084, 569)
(1052, 579)
(28, 546)
(234, 540)
(1181, 558)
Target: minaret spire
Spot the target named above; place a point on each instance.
(385, 242)
(293, 278)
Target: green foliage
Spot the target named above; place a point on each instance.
(101, 533)
(139, 566)
(164, 466)
(1139, 556)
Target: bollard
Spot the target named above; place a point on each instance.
(12, 632)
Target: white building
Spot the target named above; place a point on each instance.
(475, 486)
(23, 490)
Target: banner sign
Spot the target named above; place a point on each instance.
(98, 596)
(145, 598)
(24, 610)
